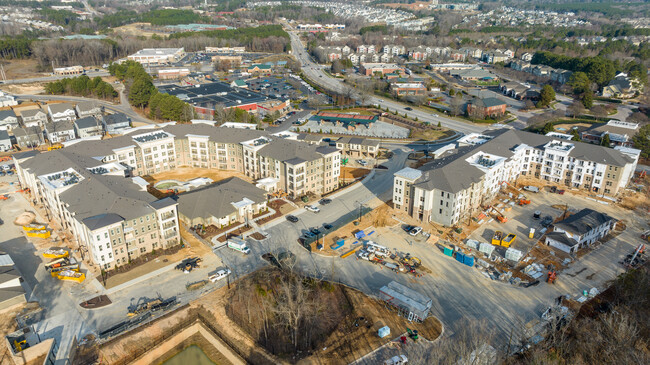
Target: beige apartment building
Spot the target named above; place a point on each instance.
(93, 190)
(461, 180)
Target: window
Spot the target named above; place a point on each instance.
(440, 210)
(110, 255)
(112, 232)
(103, 259)
(100, 247)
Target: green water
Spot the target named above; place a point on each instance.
(192, 355)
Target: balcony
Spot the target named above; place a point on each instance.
(170, 234)
(169, 224)
(168, 215)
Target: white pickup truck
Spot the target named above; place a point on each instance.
(219, 275)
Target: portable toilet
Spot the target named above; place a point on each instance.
(531, 233)
(384, 331)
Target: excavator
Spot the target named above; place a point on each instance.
(499, 216)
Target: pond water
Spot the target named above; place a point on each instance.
(191, 355)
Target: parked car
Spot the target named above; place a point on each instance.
(532, 189)
(292, 218)
(547, 221)
(327, 226)
(308, 234)
(408, 108)
(219, 275)
(415, 231)
(315, 231)
(325, 201)
(408, 228)
(312, 208)
(362, 162)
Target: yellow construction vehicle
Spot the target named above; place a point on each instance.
(55, 146)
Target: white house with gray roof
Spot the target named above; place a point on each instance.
(62, 112)
(5, 141)
(88, 127)
(116, 123)
(8, 120)
(28, 137)
(60, 131)
(455, 185)
(88, 108)
(34, 117)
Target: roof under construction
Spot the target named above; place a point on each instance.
(407, 298)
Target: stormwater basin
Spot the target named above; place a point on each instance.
(191, 355)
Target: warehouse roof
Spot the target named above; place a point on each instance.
(214, 93)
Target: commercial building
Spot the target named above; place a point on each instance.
(579, 230)
(173, 73)
(620, 133)
(88, 188)
(157, 56)
(205, 98)
(225, 49)
(486, 107)
(222, 204)
(68, 71)
(370, 69)
(457, 184)
(408, 88)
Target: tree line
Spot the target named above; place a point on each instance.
(598, 69)
(155, 17)
(143, 94)
(265, 38)
(81, 86)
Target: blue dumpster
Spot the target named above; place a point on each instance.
(469, 261)
(460, 257)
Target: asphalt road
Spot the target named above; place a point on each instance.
(315, 73)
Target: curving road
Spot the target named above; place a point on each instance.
(315, 73)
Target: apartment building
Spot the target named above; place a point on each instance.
(455, 185)
(88, 188)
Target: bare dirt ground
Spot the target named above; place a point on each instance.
(22, 69)
(139, 29)
(8, 325)
(189, 173)
(353, 173)
(33, 88)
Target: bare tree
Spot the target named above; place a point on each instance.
(456, 105)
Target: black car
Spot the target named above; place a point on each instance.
(547, 221)
(408, 108)
(315, 231)
(292, 218)
(408, 228)
(325, 201)
(327, 226)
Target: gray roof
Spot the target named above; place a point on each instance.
(407, 296)
(359, 141)
(59, 126)
(584, 221)
(452, 173)
(602, 128)
(32, 112)
(216, 200)
(27, 131)
(117, 118)
(4, 114)
(87, 122)
(86, 106)
(102, 220)
(60, 108)
(487, 102)
(4, 135)
(562, 238)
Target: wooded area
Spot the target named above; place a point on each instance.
(82, 86)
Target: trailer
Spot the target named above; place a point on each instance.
(238, 244)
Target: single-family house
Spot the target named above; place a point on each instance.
(579, 230)
(88, 127)
(116, 123)
(8, 120)
(62, 112)
(5, 141)
(60, 131)
(621, 87)
(28, 137)
(222, 204)
(34, 117)
(12, 292)
(88, 108)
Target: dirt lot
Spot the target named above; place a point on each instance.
(139, 29)
(352, 173)
(189, 173)
(22, 69)
(29, 89)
